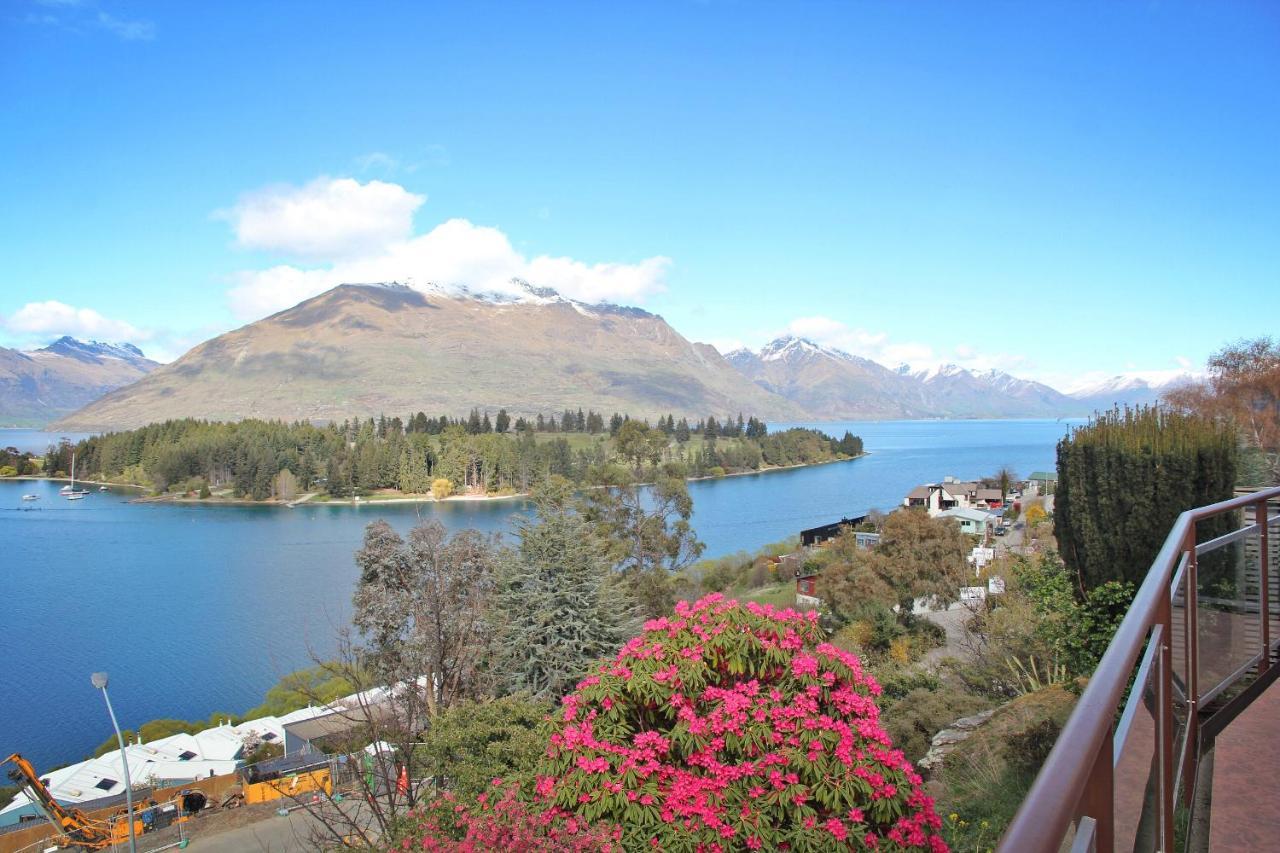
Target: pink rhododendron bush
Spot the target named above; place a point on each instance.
(500, 820)
(731, 727)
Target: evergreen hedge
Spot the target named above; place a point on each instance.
(1124, 478)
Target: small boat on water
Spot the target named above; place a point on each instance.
(31, 497)
(70, 492)
(102, 488)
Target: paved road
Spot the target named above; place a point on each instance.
(952, 620)
(274, 834)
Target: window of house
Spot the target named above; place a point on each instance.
(186, 756)
(106, 784)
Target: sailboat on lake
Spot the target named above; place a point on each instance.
(69, 491)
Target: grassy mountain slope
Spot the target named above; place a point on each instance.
(369, 349)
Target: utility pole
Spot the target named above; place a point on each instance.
(99, 680)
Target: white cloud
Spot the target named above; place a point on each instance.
(377, 160)
(138, 30)
(390, 164)
(454, 254)
(53, 319)
(327, 219)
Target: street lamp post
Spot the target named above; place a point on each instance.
(99, 680)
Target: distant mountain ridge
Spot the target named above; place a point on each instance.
(41, 385)
(830, 383)
(362, 349)
(1126, 390)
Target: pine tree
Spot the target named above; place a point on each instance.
(682, 431)
(554, 608)
(503, 421)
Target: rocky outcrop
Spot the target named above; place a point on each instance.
(946, 740)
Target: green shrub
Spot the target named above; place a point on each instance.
(473, 743)
(914, 719)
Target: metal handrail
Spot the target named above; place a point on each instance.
(1077, 778)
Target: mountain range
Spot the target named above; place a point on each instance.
(41, 385)
(358, 350)
(362, 349)
(833, 384)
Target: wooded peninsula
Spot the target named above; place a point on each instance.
(385, 458)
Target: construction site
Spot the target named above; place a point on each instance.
(212, 791)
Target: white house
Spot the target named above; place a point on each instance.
(975, 521)
(951, 493)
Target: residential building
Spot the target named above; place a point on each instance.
(169, 760)
(1045, 482)
(989, 499)
(826, 532)
(977, 522)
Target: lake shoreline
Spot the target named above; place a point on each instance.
(309, 499)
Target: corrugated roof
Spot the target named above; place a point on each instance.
(968, 514)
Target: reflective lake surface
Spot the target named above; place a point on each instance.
(195, 609)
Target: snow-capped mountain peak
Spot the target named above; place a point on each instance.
(75, 348)
(941, 371)
(791, 347)
(1153, 382)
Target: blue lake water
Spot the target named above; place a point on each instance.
(195, 609)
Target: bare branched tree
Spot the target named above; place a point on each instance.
(421, 606)
(419, 643)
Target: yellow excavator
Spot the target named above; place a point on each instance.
(76, 828)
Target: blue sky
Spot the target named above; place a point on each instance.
(1058, 190)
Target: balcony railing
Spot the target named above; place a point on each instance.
(1194, 650)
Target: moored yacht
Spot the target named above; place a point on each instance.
(70, 492)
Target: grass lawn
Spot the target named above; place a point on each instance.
(779, 595)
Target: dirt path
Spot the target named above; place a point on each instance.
(952, 621)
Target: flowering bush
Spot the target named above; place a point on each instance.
(499, 820)
(731, 727)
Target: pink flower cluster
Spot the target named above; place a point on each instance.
(728, 726)
(504, 822)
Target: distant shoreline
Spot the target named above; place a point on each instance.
(78, 480)
(310, 498)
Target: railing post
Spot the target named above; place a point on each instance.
(1264, 585)
(1099, 799)
(1192, 645)
(1164, 720)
